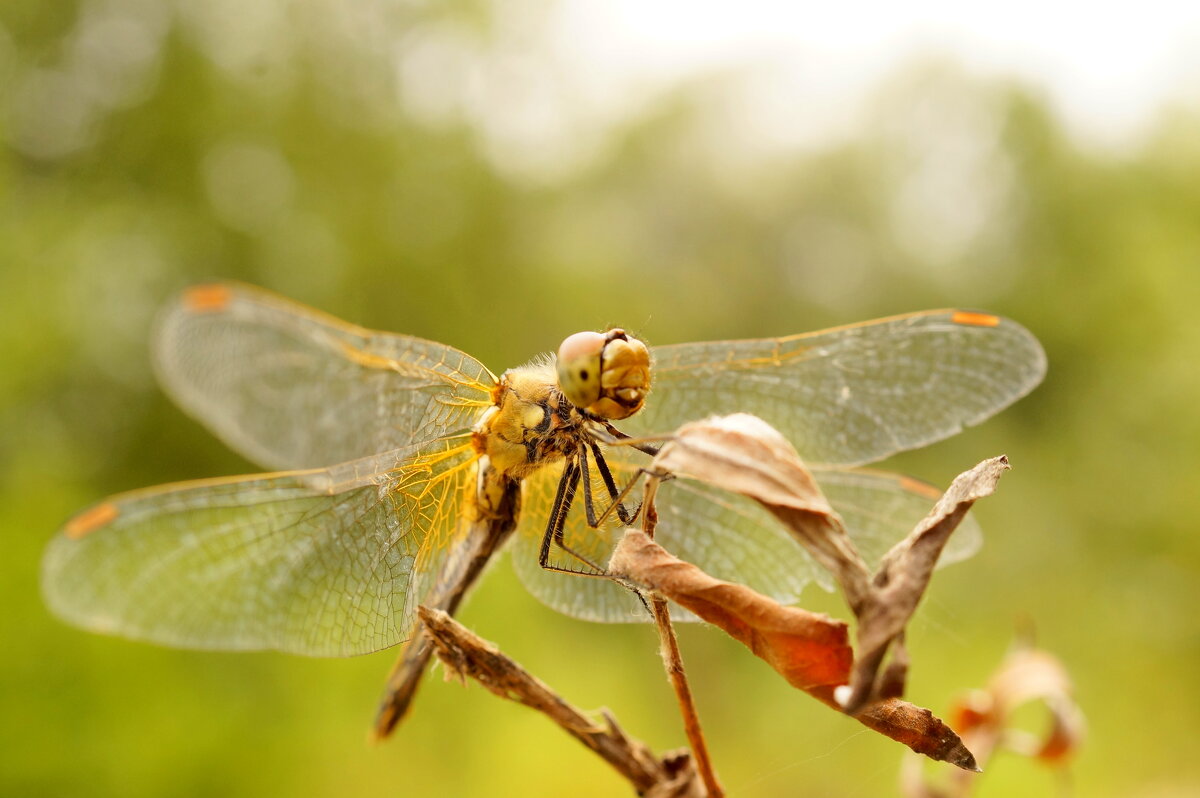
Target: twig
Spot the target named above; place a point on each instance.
(465, 654)
(483, 539)
(673, 663)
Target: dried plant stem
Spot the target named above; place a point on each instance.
(673, 663)
(465, 654)
(483, 539)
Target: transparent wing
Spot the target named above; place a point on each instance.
(289, 387)
(727, 535)
(852, 395)
(327, 562)
(880, 508)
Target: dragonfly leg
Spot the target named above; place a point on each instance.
(615, 435)
(557, 512)
(610, 484)
(563, 499)
(573, 473)
(627, 517)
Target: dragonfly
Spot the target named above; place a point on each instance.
(428, 447)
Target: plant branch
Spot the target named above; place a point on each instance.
(466, 655)
(673, 663)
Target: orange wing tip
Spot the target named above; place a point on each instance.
(207, 298)
(91, 519)
(973, 319)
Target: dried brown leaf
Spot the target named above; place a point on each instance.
(743, 454)
(893, 678)
(810, 650)
(806, 648)
(904, 575)
(919, 729)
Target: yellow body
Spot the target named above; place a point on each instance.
(531, 423)
(536, 416)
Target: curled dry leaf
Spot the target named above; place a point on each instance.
(808, 649)
(903, 576)
(743, 454)
(919, 729)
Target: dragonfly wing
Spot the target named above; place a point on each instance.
(881, 508)
(732, 538)
(289, 387)
(325, 563)
(726, 535)
(852, 395)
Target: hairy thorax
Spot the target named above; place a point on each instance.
(530, 424)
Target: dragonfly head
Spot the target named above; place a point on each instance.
(606, 374)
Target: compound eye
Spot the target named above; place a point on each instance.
(579, 367)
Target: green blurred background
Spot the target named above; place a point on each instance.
(382, 161)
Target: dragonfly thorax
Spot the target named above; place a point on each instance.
(530, 424)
